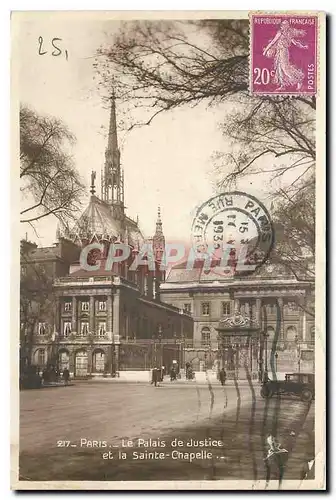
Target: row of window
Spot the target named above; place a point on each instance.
(81, 360)
(206, 308)
(226, 308)
(84, 328)
(85, 305)
(291, 334)
(67, 328)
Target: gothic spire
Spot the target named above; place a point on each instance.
(112, 144)
(113, 179)
(158, 238)
(158, 231)
(93, 178)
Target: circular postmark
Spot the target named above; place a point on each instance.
(235, 229)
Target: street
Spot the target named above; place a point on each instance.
(135, 431)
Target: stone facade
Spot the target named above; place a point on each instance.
(100, 318)
(274, 300)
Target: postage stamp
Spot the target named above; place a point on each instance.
(283, 54)
(166, 333)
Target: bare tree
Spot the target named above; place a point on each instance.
(50, 183)
(295, 218)
(281, 131)
(36, 302)
(163, 65)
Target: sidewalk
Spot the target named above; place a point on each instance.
(202, 378)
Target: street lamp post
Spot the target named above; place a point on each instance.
(182, 350)
(113, 367)
(175, 348)
(266, 354)
(159, 339)
(276, 361)
(298, 353)
(153, 351)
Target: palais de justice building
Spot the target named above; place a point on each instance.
(111, 319)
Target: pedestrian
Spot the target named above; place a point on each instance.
(222, 376)
(162, 373)
(66, 376)
(172, 374)
(45, 376)
(190, 373)
(154, 376)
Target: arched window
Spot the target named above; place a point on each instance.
(42, 328)
(40, 357)
(205, 336)
(291, 333)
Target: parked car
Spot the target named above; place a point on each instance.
(296, 384)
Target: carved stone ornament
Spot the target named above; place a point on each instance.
(237, 320)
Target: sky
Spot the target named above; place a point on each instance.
(169, 163)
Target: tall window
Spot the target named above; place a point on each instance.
(67, 306)
(102, 305)
(291, 333)
(42, 329)
(66, 328)
(40, 357)
(312, 333)
(205, 308)
(187, 308)
(84, 328)
(99, 361)
(101, 329)
(205, 336)
(226, 308)
(85, 306)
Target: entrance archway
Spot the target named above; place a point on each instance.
(40, 357)
(238, 338)
(81, 363)
(98, 361)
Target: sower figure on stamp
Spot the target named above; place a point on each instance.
(286, 73)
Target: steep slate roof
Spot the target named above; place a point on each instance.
(180, 274)
(97, 221)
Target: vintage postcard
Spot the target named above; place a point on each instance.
(168, 215)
